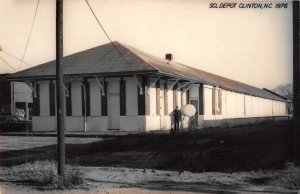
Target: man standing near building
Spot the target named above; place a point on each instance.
(177, 118)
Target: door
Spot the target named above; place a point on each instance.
(194, 121)
(114, 104)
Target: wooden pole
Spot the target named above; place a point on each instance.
(60, 89)
(296, 82)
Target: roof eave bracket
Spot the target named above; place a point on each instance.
(66, 90)
(156, 80)
(139, 85)
(100, 85)
(172, 86)
(33, 88)
(191, 84)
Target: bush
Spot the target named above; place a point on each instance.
(43, 174)
(71, 178)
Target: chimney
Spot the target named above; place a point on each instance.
(169, 56)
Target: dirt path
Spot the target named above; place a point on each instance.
(4, 189)
(149, 181)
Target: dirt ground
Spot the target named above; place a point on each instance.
(9, 189)
(239, 159)
(148, 181)
(263, 146)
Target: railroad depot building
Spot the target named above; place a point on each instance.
(118, 87)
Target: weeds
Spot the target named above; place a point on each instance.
(288, 177)
(43, 175)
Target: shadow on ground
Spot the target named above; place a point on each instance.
(262, 146)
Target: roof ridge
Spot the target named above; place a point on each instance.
(218, 75)
(212, 78)
(186, 66)
(131, 49)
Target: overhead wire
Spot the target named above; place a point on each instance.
(106, 34)
(31, 28)
(11, 55)
(8, 64)
(3, 69)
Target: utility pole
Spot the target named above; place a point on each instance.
(296, 82)
(60, 90)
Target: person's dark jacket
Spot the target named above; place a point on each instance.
(177, 115)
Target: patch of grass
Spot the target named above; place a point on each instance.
(290, 177)
(43, 175)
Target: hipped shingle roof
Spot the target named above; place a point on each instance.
(106, 60)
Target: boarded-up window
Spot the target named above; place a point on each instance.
(104, 101)
(122, 97)
(142, 98)
(201, 100)
(52, 98)
(188, 96)
(69, 101)
(36, 101)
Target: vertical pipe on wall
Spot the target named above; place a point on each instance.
(84, 110)
(88, 98)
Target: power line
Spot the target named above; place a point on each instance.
(11, 55)
(8, 64)
(106, 34)
(4, 69)
(36, 8)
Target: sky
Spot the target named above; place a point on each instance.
(253, 46)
